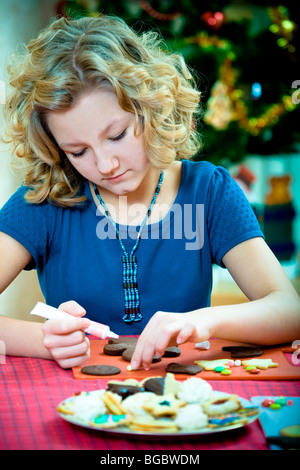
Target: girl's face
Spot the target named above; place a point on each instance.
(97, 136)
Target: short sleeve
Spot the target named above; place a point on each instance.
(231, 219)
(26, 223)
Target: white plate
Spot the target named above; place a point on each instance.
(126, 432)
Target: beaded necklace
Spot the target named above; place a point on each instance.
(130, 267)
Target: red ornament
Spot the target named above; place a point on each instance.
(213, 19)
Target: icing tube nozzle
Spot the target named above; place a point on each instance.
(97, 329)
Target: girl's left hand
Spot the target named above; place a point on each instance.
(165, 329)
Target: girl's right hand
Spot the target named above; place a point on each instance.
(65, 340)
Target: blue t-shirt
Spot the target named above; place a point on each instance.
(78, 257)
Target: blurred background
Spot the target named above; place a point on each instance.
(245, 56)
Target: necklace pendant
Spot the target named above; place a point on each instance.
(130, 286)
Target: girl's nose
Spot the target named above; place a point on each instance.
(107, 165)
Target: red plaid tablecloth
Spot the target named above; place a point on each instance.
(30, 390)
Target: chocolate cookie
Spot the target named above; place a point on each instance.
(243, 351)
(124, 390)
(155, 385)
(100, 370)
(124, 340)
(172, 351)
(189, 369)
(115, 349)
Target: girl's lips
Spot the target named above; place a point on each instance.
(116, 178)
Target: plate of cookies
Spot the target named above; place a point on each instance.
(157, 407)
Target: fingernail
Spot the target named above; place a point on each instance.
(133, 365)
(146, 367)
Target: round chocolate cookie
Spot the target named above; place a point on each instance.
(189, 369)
(100, 370)
(115, 349)
(124, 340)
(172, 351)
(238, 352)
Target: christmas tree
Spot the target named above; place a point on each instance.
(245, 58)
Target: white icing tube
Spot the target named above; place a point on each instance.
(97, 329)
(203, 345)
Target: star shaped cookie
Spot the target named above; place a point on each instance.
(262, 364)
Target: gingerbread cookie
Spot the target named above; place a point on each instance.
(189, 369)
(100, 370)
(239, 352)
(262, 364)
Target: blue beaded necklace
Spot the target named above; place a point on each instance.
(130, 267)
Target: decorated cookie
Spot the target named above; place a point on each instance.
(211, 365)
(243, 351)
(262, 364)
(100, 370)
(221, 405)
(189, 369)
(163, 406)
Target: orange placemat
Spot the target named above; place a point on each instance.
(284, 371)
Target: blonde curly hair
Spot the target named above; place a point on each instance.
(70, 57)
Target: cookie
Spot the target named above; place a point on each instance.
(162, 385)
(172, 351)
(163, 406)
(291, 431)
(100, 370)
(211, 365)
(114, 349)
(123, 390)
(262, 364)
(189, 369)
(123, 340)
(112, 403)
(238, 352)
(151, 425)
(219, 406)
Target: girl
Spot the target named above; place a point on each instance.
(113, 212)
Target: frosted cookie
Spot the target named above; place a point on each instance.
(107, 421)
(262, 364)
(220, 406)
(189, 369)
(134, 403)
(100, 370)
(211, 365)
(191, 417)
(163, 406)
(195, 390)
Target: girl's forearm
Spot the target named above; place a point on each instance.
(273, 319)
(22, 338)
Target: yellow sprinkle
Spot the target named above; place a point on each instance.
(129, 368)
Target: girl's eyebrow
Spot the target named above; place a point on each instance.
(103, 132)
